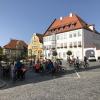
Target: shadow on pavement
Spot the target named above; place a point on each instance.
(32, 77)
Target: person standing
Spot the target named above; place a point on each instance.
(17, 69)
(77, 62)
(85, 62)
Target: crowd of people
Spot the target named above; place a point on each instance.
(77, 63)
(47, 66)
(18, 69)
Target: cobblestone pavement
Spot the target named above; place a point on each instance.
(68, 86)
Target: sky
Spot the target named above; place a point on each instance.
(19, 19)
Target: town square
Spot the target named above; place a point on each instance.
(49, 50)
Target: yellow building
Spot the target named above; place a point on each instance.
(35, 47)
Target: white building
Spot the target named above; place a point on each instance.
(74, 34)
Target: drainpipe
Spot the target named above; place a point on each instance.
(82, 44)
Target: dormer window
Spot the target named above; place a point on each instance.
(69, 25)
(74, 23)
(63, 27)
(51, 30)
(54, 30)
(59, 29)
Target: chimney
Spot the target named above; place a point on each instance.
(71, 15)
(92, 27)
(61, 18)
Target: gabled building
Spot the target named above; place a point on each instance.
(74, 34)
(35, 47)
(15, 49)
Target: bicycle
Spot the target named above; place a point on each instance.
(86, 65)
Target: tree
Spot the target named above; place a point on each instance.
(1, 50)
(1, 53)
(69, 53)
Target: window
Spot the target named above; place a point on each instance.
(59, 54)
(79, 44)
(49, 38)
(30, 51)
(51, 30)
(34, 46)
(53, 46)
(57, 37)
(53, 37)
(75, 44)
(63, 27)
(61, 36)
(69, 25)
(70, 35)
(58, 46)
(44, 39)
(64, 54)
(74, 35)
(65, 36)
(61, 45)
(70, 44)
(65, 45)
(58, 28)
(73, 24)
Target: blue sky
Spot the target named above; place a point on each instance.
(19, 19)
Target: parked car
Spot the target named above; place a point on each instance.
(92, 58)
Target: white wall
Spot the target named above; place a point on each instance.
(76, 51)
(98, 53)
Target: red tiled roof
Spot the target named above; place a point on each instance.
(67, 23)
(13, 43)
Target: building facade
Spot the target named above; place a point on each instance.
(74, 34)
(35, 47)
(15, 49)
